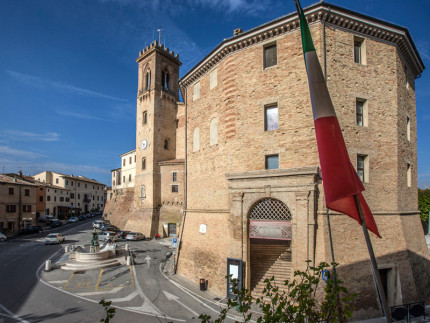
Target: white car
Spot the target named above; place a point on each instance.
(98, 223)
(3, 238)
(106, 235)
(135, 236)
(73, 219)
(55, 238)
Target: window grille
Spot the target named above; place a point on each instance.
(270, 209)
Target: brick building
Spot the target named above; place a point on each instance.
(244, 152)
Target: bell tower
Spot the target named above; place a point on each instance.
(158, 94)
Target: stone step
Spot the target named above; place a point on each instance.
(77, 266)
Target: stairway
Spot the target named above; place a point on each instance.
(269, 258)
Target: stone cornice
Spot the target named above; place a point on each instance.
(313, 171)
(334, 16)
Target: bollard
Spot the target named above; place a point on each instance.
(128, 261)
(67, 249)
(48, 265)
(126, 247)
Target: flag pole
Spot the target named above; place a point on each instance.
(376, 275)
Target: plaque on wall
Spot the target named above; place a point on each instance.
(280, 230)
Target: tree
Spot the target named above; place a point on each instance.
(424, 203)
(304, 300)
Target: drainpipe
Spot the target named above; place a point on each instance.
(185, 183)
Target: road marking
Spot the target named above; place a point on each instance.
(57, 281)
(13, 315)
(102, 292)
(175, 298)
(148, 260)
(131, 274)
(124, 299)
(65, 286)
(98, 282)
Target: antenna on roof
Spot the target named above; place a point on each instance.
(159, 34)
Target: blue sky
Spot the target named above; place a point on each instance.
(68, 76)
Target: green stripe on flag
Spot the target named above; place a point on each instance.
(308, 45)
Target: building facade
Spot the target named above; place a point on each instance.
(17, 204)
(244, 152)
(78, 193)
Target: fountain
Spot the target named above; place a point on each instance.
(91, 256)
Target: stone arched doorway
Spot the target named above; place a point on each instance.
(270, 243)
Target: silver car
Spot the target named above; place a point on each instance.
(135, 236)
(3, 237)
(55, 238)
(107, 235)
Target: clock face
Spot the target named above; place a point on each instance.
(144, 144)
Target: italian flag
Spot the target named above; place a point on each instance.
(340, 180)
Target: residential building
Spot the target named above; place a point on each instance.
(17, 203)
(80, 194)
(235, 168)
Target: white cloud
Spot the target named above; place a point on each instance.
(6, 150)
(78, 115)
(16, 135)
(40, 83)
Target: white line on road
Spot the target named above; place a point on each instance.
(16, 317)
(175, 298)
(124, 299)
(102, 292)
(56, 281)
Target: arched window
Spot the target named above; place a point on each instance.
(148, 80)
(142, 191)
(144, 163)
(213, 131)
(144, 117)
(196, 139)
(166, 144)
(165, 81)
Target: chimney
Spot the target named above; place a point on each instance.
(20, 173)
(237, 31)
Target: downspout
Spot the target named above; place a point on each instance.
(185, 183)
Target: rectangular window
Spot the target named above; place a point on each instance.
(72, 195)
(10, 190)
(61, 199)
(85, 185)
(55, 199)
(363, 168)
(40, 198)
(143, 163)
(175, 188)
(71, 183)
(123, 162)
(26, 208)
(359, 108)
(129, 161)
(196, 91)
(359, 51)
(48, 198)
(272, 162)
(79, 184)
(408, 128)
(67, 182)
(271, 118)
(409, 175)
(144, 118)
(213, 79)
(270, 56)
(27, 192)
(123, 179)
(10, 208)
(129, 177)
(79, 196)
(56, 181)
(175, 176)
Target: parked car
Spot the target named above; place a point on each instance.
(121, 234)
(135, 236)
(98, 223)
(109, 227)
(46, 218)
(3, 237)
(82, 217)
(56, 223)
(55, 238)
(99, 213)
(73, 219)
(106, 235)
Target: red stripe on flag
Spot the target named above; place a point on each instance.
(340, 180)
